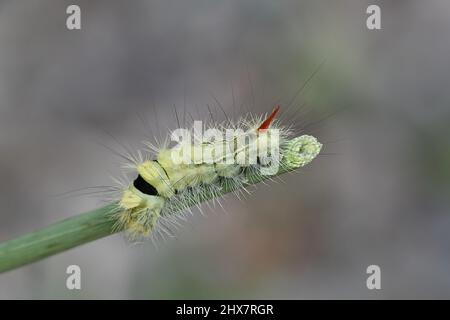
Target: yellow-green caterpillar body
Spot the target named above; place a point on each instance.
(164, 186)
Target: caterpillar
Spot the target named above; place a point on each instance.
(168, 180)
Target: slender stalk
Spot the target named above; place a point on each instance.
(68, 233)
(55, 238)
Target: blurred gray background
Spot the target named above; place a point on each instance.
(379, 194)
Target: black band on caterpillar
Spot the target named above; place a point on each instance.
(144, 187)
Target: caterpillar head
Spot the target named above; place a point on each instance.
(300, 151)
(297, 152)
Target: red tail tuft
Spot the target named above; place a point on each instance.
(269, 120)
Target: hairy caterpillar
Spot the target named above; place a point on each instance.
(164, 186)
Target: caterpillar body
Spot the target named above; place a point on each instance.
(163, 186)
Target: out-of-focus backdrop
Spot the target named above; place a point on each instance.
(378, 195)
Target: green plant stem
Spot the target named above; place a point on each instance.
(55, 238)
(69, 233)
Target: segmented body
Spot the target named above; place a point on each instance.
(164, 186)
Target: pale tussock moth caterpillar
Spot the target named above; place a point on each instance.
(164, 188)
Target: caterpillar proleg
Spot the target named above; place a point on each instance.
(169, 179)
